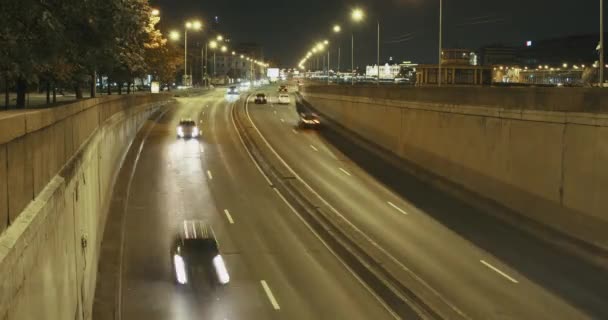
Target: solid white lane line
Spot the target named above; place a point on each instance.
(228, 216)
(396, 208)
(498, 271)
(209, 175)
(275, 112)
(201, 147)
(313, 148)
(282, 120)
(273, 301)
(345, 172)
(294, 131)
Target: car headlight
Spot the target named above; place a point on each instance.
(195, 132)
(180, 131)
(180, 269)
(220, 268)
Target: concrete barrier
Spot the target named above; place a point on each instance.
(547, 165)
(57, 167)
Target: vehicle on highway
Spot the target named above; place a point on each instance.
(187, 128)
(196, 256)
(309, 120)
(245, 86)
(284, 98)
(283, 88)
(260, 98)
(232, 90)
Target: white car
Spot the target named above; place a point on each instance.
(284, 99)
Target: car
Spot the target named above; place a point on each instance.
(195, 255)
(260, 98)
(187, 128)
(283, 88)
(232, 90)
(284, 98)
(309, 120)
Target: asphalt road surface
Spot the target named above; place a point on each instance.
(279, 269)
(485, 269)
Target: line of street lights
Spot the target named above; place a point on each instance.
(358, 15)
(215, 44)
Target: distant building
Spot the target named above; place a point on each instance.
(232, 66)
(458, 67)
(570, 60)
(460, 57)
(387, 71)
(498, 55)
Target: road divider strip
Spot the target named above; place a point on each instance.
(314, 148)
(209, 175)
(273, 300)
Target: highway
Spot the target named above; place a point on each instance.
(483, 268)
(279, 269)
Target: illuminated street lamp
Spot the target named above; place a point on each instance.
(337, 29)
(224, 49)
(356, 15)
(220, 38)
(174, 35)
(189, 25)
(155, 12)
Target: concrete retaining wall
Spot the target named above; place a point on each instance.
(550, 166)
(57, 167)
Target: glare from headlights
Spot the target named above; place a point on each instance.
(220, 269)
(180, 269)
(195, 132)
(180, 131)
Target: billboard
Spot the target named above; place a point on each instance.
(272, 73)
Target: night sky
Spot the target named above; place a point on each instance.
(287, 29)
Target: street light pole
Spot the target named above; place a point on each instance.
(602, 65)
(206, 64)
(186, 56)
(327, 65)
(338, 59)
(352, 58)
(378, 55)
(440, 42)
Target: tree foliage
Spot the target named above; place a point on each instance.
(69, 42)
